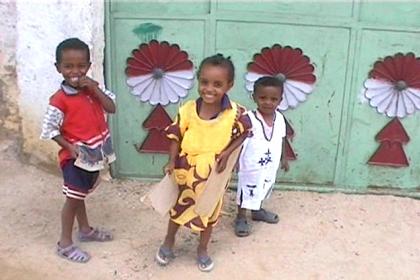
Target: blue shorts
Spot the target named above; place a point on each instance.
(77, 182)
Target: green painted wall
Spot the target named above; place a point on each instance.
(334, 130)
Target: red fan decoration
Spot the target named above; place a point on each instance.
(156, 141)
(398, 67)
(290, 66)
(159, 73)
(393, 88)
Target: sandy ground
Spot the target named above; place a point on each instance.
(320, 236)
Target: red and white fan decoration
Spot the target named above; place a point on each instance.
(288, 64)
(393, 87)
(159, 73)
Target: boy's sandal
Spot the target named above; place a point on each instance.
(205, 263)
(73, 253)
(265, 216)
(95, 234)
(164, 256)
(242, 228)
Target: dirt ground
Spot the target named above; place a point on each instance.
(320, 236)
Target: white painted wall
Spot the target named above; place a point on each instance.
(41, 25)
(9, 111)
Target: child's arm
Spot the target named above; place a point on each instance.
(284, 162)
(223, 157)
(173, 153)
(105, 100)
(245, 123)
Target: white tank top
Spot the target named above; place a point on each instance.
(262, 151)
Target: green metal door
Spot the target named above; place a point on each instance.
(334, 130)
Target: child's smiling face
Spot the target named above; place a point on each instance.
(73, 65)
(213, 83)
(268, 98)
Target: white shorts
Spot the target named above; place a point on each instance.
(253, 188)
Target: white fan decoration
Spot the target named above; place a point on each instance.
(393, 87)
(290, 66)
(159, 73)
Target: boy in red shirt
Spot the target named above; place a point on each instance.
(75, 119)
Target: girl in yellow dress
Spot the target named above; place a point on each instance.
(205, 131)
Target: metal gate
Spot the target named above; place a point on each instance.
(334, 129)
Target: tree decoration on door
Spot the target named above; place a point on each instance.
(156, 141)
(390, 151)
(158, 73)
(393, 88)
(290, 66)
(290, 133)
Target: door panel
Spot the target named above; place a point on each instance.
(366, 122)
(316, 121)
(128, 130)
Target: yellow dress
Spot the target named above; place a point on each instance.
(201, 141)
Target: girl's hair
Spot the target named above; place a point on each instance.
(71, 43)
(221, 61)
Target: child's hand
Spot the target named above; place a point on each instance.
(221, 161)
(285, 165)
(169, 168)
(86, 82)
(74, 151)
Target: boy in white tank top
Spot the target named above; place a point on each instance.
(261, 155)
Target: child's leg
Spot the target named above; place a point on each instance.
(86, 232)
(205, 263)
(165, 254)
(241, 212)
(77, 184)
(65, 247)
(242, 228)
(204, 241)
(68, 213)
(82, 219)
(170, 235)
